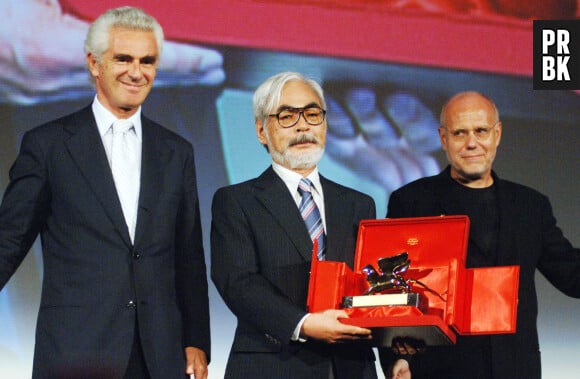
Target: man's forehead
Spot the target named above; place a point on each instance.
(133, 40)
(471, 117)
(313, 104)
(297, 94)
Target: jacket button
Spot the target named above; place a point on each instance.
(136, 255)
(131, 304)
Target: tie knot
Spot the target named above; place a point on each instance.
(305, 185)
(122, 126)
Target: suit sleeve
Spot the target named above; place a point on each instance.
(24, 207)
(559, 261)
(236, 272)
(372, 209)
(191, 275)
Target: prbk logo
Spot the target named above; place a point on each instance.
(557, 54)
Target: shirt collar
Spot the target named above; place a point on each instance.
(105, 119)
(292, 178)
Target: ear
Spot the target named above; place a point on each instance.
(442, 139)
(498, 132)
(261, 132)
(93, 65)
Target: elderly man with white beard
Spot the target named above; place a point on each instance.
(262, 241)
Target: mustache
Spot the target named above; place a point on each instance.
(303, 138)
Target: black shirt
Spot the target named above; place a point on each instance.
(480, 204)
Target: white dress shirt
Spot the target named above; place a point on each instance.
(105, 119)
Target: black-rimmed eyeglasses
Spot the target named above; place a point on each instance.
(289, 117)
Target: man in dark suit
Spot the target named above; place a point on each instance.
(510, 225)
(125, 287)
(262, 247)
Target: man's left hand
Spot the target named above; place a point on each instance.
(196, 364)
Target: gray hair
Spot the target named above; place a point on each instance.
(267, 95)
(97, 41)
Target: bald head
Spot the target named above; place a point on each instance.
(466, 100)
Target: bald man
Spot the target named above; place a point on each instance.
(510, 225)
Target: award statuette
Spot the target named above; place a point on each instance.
(387, 287)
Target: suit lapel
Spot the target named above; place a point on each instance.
(155, 155)
(273, 194)
(337, 211)
(86, 149)
(443, 193)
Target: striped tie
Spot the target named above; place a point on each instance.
(311, 216)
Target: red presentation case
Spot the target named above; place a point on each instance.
(459, 300)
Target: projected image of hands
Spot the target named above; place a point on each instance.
(387, 136)
(42, 58)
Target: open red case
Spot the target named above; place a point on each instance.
(458, 300)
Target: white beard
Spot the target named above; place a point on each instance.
(298, 161)
(304, 160)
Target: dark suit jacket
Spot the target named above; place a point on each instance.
(261, 253)
(96, 283)
(528, 237)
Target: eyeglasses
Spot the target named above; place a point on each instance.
(481, 133)
(289, 117)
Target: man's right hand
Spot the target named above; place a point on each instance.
(325, 326)
(400, 370)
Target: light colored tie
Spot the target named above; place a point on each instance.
(126, 168)
(311, 216)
